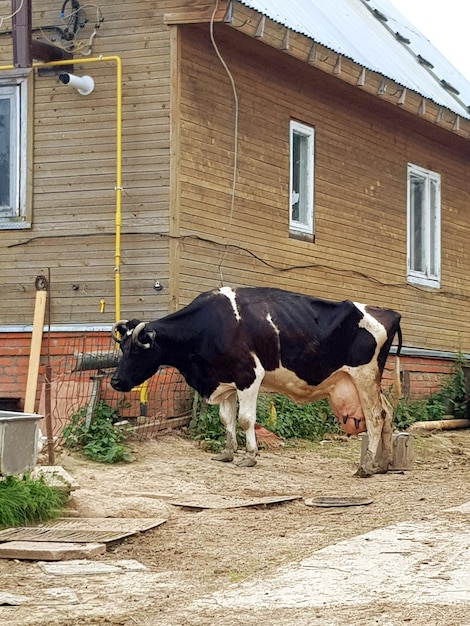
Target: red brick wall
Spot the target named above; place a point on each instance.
(14, 355)
(421, 375)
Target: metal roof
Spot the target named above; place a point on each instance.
(366, 32)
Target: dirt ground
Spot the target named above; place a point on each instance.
(199, 551)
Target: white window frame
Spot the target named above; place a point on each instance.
(15, 85)
(429, 274)
(304, 224)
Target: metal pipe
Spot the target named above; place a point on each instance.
(118, 188)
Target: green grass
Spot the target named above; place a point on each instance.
(26, 501)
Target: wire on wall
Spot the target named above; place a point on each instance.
(273, 266)
(12, 15)
(235, 139)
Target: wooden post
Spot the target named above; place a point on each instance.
(21, 32)
(48, 416)
(35, 352)
(25, 48)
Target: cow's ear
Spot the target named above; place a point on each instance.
(142, 337)
(149, 336)
(119, 330)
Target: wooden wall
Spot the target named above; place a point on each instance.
(74, 176)
(178, 146)
(362, 150)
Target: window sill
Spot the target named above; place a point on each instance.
(300, 236)
(423, 282)
(7, 225)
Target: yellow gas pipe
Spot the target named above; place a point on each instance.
(118, 187)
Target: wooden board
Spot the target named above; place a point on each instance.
(35, 352)
(82, 530)
(211, 501)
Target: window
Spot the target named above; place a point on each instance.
(301, 178)
(424, 226)
(14, 150)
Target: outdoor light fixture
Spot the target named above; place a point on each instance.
(83, 84)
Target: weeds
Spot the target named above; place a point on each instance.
(101, 441)
(450, 399)
(274, 411)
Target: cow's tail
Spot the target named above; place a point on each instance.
(397, 378)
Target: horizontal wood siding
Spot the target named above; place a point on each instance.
(74, 163)
(362, 150)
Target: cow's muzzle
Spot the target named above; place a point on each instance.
(116, 384)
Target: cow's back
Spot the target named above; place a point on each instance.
(306, 335)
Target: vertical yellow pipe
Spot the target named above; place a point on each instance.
(118, 188)
(118, 212)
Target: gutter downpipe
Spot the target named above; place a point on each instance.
(118, 188)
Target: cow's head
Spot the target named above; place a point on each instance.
(140, 357)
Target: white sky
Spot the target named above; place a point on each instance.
(446, 23)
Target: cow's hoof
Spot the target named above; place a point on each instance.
(361, 473)
(247, 461)
(225, 457)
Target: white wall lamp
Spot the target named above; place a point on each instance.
(83, 84)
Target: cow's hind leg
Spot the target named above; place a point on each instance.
(227, 413)
(385, 454)
(247, 419)
(247, 400)
(378, 455)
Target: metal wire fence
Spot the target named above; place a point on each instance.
(81, 368)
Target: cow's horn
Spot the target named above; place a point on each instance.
(115, 330)
(135, 336)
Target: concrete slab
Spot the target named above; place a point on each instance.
(56, 476)
(425, 562)
(49, 550)
(85, 567)
(10, 599)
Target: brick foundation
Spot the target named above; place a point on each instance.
(167, 395)
(420, 376)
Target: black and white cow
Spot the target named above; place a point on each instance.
(230, 343)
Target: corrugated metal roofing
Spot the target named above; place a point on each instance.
(365, 31)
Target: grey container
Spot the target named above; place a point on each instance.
(19, 436)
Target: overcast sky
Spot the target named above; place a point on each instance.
(446, 23)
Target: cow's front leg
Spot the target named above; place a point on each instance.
(227, 414)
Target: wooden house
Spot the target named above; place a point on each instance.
(309, 146)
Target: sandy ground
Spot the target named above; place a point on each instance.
(200, 560)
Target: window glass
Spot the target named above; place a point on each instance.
(5, 154)
(424, 228)
(301, 177)
(14, 151)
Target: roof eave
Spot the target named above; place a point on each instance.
(307, 50)
(258, 26)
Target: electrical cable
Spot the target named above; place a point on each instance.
(277, 268)
(235, 138)
(12, 15)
